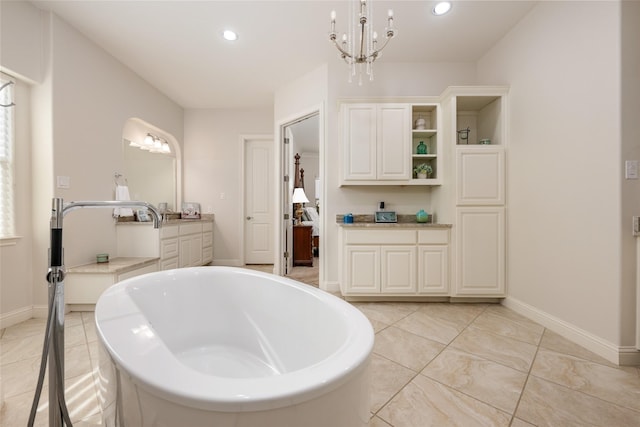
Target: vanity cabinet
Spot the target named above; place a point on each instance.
(394, 262)
(178, 244)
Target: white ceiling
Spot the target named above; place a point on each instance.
(177, 45)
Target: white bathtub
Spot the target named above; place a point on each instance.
(223, 346)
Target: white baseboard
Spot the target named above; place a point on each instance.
(613, 353)
(227, 262)
(40, 311)
(330, 286)
(16, 316)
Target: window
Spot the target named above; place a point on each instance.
(6, 157)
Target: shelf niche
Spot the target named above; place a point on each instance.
(483, 116)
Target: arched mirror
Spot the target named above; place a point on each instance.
(150, 164)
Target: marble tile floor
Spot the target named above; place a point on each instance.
(433, 365)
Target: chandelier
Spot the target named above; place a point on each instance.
(362, 51)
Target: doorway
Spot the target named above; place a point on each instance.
(301, 228)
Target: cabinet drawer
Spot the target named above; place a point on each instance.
(380, 237)
(207, 226)
(169, 264)
(169, 248)
(167, 231)
(207, 239)
(433, 237)
(190, 228)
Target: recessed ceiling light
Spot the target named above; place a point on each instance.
(441, 8)
(229, 35)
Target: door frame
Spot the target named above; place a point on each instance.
(318, 109)
(244, 139)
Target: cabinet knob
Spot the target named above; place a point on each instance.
(249, 217)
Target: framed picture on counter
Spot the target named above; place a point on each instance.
(386, 216)
(142, 215)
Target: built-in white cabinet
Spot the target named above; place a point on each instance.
(480, 244)
(480, 175)
(476, 202)
(380, 143)
(376, 142)
(177, 244)
(394, 262)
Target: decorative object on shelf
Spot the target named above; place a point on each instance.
(386, 217)
(463, 135)
(102, 258)
(421, 123)
(422, 148)
(142, 215)
(423, 170)
(485, 141)
(190, 210)
(422, 216)
(153, 144)
(347, 218)
(360, 21)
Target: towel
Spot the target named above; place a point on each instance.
(122, 194)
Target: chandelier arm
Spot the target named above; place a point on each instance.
(386, 42)
(342, 51)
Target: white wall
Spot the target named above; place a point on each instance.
(21, 31)
(213, 166)
(562, 62)
(81, 101)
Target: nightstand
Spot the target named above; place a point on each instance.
(302, 245)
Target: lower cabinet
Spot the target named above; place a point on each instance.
(480, 246)
(394, 262)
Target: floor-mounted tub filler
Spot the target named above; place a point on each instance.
(224, 346)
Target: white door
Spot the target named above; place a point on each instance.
(393, 142)
(259, 203)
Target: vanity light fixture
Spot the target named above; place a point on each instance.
(441, 8)
(359, 47)
(230, 35)
(153, 144)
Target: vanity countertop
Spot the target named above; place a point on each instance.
(117, 265)
(203, 218)
(404, 221)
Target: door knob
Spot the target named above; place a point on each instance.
(249, 217)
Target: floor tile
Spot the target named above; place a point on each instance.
(507, 351)
(490, 382)
(377, 422)
(25, 329)
(546, 404)
(560, 344)
(405, 348)
(387, 379)
(386, 312)
(434, 328)
(425, 402)
(611, 384)
(501, 325)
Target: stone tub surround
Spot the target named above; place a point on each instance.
(366, 220)
(118, 265)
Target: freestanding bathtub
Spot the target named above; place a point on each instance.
(224, 346)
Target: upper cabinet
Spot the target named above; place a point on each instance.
(384, 143)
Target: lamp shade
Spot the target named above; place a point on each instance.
(299, 196)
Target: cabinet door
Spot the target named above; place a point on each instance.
(196, 250)
(480, 179)
(359, 141)
(398, 268)
(433, 267)
(362, 272)
(393, 148)
(480, 251)
(185, 251)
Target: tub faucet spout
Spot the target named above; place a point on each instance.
(155, 213)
